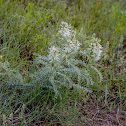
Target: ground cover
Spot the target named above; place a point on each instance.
(62, 62)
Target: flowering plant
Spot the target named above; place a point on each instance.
(61, 67)
(95, 48)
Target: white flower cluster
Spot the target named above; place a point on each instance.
(70, 36)
(53, 54)
(65, 30)
(71, 44)
(96, 48)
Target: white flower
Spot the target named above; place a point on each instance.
(97, 50)
(66, 31)
(53, 54)
(77, 45)
(1, 56)
(69, 35)
(71, 46)
(68, 47)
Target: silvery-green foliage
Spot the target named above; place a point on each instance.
(61, 67)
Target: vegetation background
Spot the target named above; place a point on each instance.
(31, 26)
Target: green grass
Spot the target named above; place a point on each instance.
(28, 27)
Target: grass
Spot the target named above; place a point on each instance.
(32, 94)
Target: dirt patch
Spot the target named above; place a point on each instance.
(100, 116)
